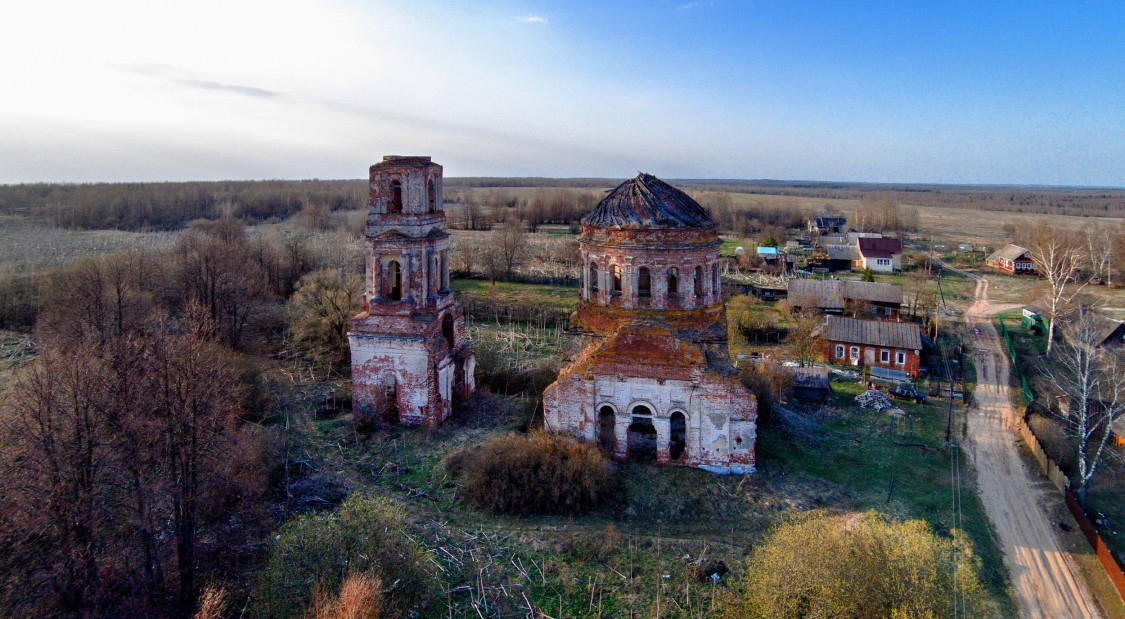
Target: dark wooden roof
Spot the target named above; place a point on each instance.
(873, 333)
(834, 294)
(648, 202)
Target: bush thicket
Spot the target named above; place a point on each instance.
(319, 552)
(858, 565)
(538, 473)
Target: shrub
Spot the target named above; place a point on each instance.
(539, 473)
(317, 552)
(361, 597)
(857, 566)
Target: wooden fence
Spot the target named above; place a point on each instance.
(1060, 480)
(1048, 466)
(1112, 569)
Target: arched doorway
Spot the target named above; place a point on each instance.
(593, 281)
(607, 437)
(678, 441)
(447, 329)
(642, 435)
(673, 283)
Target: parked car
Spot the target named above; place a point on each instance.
(906, 392)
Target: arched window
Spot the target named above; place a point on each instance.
(431, 195)
(678, 439)
(447, 329)
(616, 279)
(394, 280)
(396, 198)
(593, 279)
(715, 286)
(644, 283)
(673, 283)
(699, 281)
(607, 440)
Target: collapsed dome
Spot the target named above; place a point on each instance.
(648, 202)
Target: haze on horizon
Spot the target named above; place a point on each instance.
(941, 92)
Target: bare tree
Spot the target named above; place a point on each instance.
(216, 270)
(195, 405)
(55, 466)
(1057, 257)
(321, 307)
(1101, 249)
(508, 247)
(805, 339)
(1093, 380)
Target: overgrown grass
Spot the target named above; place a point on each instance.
(583, 566)
(534, 296)
(853, 447)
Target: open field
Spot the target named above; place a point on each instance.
(28, 247)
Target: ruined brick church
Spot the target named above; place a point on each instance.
(655, 379)
(410, 357)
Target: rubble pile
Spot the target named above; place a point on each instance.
(874, 399)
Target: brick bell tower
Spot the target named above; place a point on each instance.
(410, 358)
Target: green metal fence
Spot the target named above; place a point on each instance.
(1027, 392)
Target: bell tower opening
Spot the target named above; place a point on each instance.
(396, 197)
(394, 281)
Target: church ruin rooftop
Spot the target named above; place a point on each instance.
(650, 203)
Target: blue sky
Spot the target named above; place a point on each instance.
(887, 92)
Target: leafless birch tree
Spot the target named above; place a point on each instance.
(1057, 257)
(1093, 380)
(1101, 250)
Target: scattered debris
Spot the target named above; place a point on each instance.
(874, 399)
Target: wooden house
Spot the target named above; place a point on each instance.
(870, 343)
(836, 296)
(1012, 260)
(881, 255)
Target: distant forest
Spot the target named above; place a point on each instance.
(167, 206)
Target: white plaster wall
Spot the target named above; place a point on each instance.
(575, 410)
(406, 358)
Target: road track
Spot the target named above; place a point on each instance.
(1046, 581)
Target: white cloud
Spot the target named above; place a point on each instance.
(533, 19)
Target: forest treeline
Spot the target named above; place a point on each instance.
(167, 206)
(170, 206)
(1076, 201)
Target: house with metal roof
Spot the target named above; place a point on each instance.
(870, 343)
(881, 255)
(1012, 260)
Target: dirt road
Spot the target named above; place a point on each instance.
(1046, 582)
